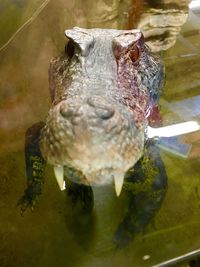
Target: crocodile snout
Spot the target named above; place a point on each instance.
(94, 135)
(102, 107)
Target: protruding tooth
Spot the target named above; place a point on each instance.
(59, 173)
(118, 179)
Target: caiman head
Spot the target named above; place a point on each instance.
(102, 89)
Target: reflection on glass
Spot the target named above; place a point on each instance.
(195, 4)
(173, 130)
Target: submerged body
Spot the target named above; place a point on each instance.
(103, 89)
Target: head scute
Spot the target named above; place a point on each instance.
(128, 38)
(80, 37)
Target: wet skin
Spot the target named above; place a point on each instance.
(103, 90)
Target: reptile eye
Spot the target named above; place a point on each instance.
(134, 54)
(69, 49)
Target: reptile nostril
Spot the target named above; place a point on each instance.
(104, 114)
(102, 107)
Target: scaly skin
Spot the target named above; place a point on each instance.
(102, 90)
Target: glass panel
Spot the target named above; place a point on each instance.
(152, 221)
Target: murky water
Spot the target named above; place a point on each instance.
(55, 234)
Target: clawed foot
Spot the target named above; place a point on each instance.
(29, 199)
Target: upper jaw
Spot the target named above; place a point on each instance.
(95, 155)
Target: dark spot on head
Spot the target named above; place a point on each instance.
(134, 54)
(69, 49)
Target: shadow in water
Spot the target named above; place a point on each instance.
(81, 221)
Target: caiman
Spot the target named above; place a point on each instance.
(103, 90)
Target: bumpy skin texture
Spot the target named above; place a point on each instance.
(146, 186)
(35, 166)
(103, 89)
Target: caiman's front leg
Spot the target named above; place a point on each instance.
(146, 185)
(34, 167)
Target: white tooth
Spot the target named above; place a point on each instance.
(59, 173)
(118, 179)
